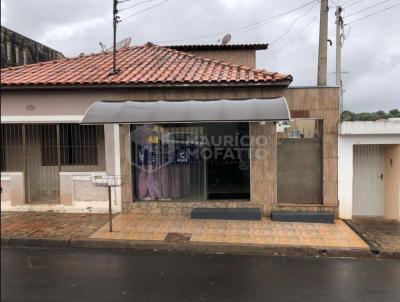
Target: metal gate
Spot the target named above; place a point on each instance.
(368, 180)
(42, 164)
(299, 170)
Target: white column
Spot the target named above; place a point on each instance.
(345, 175)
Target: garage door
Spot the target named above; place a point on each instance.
(368, 180)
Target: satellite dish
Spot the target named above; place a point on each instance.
(122, 44)
(103, 47)
(226, 39)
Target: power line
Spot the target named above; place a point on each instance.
(134, 5)
(373, 14)
(270, 21)
(238, 29)
(250, 29)
(291, 26)
(367, 8)
(351, 3)
(142, 11)
(316, 17)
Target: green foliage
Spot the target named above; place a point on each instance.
(369, 116)
(395, 113)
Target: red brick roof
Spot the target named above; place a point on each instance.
(140, 65)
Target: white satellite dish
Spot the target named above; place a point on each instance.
(122, 44)
(226, 39)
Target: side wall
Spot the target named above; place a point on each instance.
(315, 102)
(18, 50)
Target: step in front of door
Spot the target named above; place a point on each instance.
(226, 213)
(303, 216)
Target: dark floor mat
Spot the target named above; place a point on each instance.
(177, 237)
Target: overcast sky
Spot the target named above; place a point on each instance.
(371, 53)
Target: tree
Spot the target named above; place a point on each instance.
(394, 113)
(369, 116)
(348, 116)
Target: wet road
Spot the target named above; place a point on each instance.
(94, 275)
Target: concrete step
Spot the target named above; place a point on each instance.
(226, 213)
(303, 216)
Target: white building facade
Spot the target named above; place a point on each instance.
(369, 169)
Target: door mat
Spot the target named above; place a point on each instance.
(178, 237)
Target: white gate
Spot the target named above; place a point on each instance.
(368, 180)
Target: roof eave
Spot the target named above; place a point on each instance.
(205, 47)
(281, 83)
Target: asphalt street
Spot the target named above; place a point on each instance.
(33, 274)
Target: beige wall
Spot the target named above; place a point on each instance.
(263, 165)
(317, 102)
(392, 181)
(321, 102)
(239, 57)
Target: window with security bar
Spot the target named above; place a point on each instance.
(76, 145)
(11, 148)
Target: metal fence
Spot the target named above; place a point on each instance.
(43, 151)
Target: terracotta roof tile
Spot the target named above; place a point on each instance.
(148, 64)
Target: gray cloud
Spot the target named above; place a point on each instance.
(371, 54)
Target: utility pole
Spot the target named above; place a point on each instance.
(339, 29)
(115, 22)
(323, 47)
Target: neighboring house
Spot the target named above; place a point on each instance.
(369, 169)
(17, 49)
(48, 155)
(241, 54)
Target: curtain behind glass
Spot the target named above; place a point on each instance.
(167, 162)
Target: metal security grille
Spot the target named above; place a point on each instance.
(43, 151)
(42, 177)
(81, 147)
(11, 159)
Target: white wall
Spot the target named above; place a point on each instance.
(346, 142)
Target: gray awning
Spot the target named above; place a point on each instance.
(115, 112)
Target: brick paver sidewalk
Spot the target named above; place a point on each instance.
(163, 232)
(50, 224)
(265, 232)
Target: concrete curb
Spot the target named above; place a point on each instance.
(5, 241)
(200, 247)
(38, 242)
